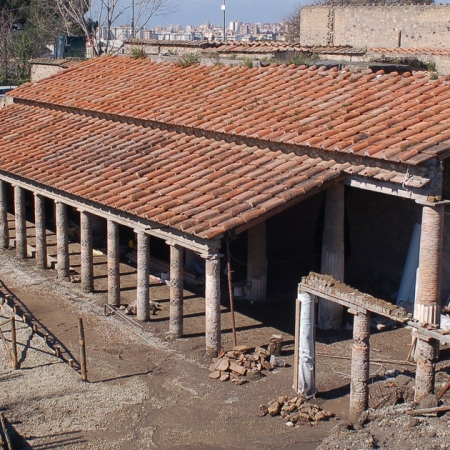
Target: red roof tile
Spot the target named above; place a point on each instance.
(326, 109)
(204, 199)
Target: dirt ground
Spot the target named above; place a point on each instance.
(147, 391)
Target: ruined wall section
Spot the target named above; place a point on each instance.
(416, 26)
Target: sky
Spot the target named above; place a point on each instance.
(197, 12)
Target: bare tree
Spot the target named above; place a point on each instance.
(90, 16)
(292, 21)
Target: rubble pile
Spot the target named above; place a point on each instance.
(240, 365)
(295, 411)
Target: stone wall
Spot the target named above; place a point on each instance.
(41, 71)
(376, 26)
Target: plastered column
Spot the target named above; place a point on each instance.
(87, 259)
(330, 313)
(40, 230)
(359, 390)
(257, 263)
(4, 231)
(143, 294)
(427, 306)
(176, 291)
(113, 251)
(20, 222)
(212, 305)
(62, 242)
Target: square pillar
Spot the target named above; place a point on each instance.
(40, 231)
(330, 313)
(20, 222)
(113, 252)
(257, 263)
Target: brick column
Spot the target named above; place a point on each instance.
(257, 263)
(212, 305)
(87, 259)
(21, 230)
(330, 313)
(176, 291)
(4, 231)
(40, 230)
(113, 263)
(62, 242)
(359, 390)
(427, 306)
(143, 294)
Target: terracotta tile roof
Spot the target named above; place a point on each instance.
(390, 51)
(402, 118)
(194, 184)
(64, 63)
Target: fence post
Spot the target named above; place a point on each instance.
(83, 368)
(15, 361)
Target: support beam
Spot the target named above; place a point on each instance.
(20, 221)
(87, 258)
(427, 306)
(359, 390)
(176, 291)
(113, 251)
(4, 230)
(143, 294)
(212, 305)
(257, 263)
(40, 230)
(330, 313)
(62, 242)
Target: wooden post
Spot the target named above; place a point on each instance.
(5, 432)
(359, 391)
(230, 290)
(15, 361)
(83, 367)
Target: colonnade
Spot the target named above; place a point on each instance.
(212, 261)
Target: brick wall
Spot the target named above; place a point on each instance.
(376, 26)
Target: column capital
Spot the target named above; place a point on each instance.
(172, 243)
(433, 202)
(211, 256)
